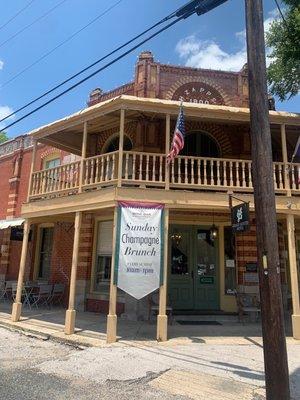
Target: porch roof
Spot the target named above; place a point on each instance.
(66, 133)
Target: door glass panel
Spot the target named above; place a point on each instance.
(179, 255)
(230, 267)
(45, 252)
(205, 254)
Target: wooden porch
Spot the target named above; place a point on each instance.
(149, 170)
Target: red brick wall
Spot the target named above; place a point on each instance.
(6, 168)
(155, 80)
(102, 306)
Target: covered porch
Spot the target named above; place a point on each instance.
(91, 328)
(90, 277)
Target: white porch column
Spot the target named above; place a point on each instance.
(33, 157)
(111, 329)
(285, 160)
(294, 275)
(71, 313)
(167, 146)
(162, 318)
(121, 145)
(17, 306)
(83, 156)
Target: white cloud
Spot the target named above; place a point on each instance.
(209, 54)
(1, 64)
(4, 111)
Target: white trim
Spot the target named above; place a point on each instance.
(7, 223)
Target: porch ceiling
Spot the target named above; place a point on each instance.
(67, 133)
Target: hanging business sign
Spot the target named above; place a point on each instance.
(139, 248)
(240, 217)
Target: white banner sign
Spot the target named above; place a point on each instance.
(139, 248)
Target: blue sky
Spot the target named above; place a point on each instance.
(215, 40)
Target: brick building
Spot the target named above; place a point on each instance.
(79, 170)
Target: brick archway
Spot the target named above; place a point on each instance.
(208, 82)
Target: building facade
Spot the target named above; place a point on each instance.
(64, 181)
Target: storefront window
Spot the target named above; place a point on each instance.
(102, 268)
(230, 267)
(102, 272)
(179, 252)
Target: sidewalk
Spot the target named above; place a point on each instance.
(91, 329)
(198, 362)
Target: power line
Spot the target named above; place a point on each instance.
(95, 72)
(32, 23)
(15, 16)
(172, 15)
(280, 12)
(193, 6)
(60, 44)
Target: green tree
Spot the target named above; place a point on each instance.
(283, 39)
(3, 137)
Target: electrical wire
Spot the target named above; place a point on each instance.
(97, 71)
(17, 13)
(60, 44)
(32, 23)
(280, 12)
(170, 16)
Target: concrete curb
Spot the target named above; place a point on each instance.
(68, 341)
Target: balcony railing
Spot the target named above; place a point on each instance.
(150, 170)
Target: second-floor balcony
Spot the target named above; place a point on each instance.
(149, 170)
(123, 143)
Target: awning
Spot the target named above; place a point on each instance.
(7, 223)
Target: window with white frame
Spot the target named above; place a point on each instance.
(54, 162)
(102, 268)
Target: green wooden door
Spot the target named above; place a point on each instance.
(181, 285)
(206, 275)
(193, 272)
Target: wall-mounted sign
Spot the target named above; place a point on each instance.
(251, 267)
(251, 277)
(208, 280)
(198, 92)
(240, 217)
(139, 248)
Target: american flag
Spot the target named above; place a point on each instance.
(296, 153)
(178, 137)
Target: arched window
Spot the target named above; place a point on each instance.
(113, 144)
(200, 144)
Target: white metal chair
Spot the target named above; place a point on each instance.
(42, 296)
(7, 293)
(57, 294)
(2, 289)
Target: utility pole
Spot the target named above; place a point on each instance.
(274, 342)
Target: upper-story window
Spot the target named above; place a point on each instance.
(51, 160)
(113, 144)
(200, 144)
(55, 162)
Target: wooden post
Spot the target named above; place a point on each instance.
(290, 221)
(71, 313)
(83, 156)
(285, 160)
(33, 157)
(274, 343)
(121, 145)
(167, 169)
(162, 319)
(17, 306)
(111, 332)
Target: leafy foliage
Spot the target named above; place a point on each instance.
(284, 40)
(3, 137)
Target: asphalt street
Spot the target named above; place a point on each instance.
(32, 368)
